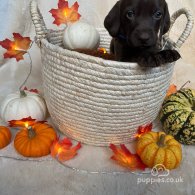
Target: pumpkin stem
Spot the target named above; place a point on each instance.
(185, 84)
(161, 141)
(22, 93)
(31, 132)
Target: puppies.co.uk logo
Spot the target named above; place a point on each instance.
(160, 170)
(159, 174)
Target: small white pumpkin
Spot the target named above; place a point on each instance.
(23, 104)
(80, 35)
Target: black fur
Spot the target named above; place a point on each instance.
(137, 27)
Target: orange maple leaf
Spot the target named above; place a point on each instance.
(172, 89)
(126, 159)
(17, 48)
(25, 122)
(63, 150)
(143, 129)
(64, 14)
(103, 50)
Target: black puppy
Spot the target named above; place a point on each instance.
(137, 27)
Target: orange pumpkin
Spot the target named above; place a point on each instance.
(35, 141)
(5, 136)
(158, 148)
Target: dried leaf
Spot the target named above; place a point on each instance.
(31, 90)
(143, 129)
(103, 50)
(17, 48)
(64, 14)
(126, 159)
(172, 89)
(63, 150)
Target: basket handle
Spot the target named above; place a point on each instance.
(37, 18)
(187, 30)
(41, 29)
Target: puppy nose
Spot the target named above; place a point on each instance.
(144, 37)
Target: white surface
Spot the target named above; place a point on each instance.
(49, 177)
(20, 175)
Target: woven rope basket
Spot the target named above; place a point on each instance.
(98, 101)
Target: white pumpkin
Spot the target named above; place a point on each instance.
(23, 104)
(80, 35)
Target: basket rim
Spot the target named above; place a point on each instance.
(103, 62)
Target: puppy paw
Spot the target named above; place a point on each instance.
(169, 56)
(158, 59)
(149, 60)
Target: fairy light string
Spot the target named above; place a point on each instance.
(82, 171)
(30, 71)
(30, 65)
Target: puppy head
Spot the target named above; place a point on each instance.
(142, 22)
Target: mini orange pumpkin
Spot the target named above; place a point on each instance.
(158, 148)
(35, 141)
(5, 136)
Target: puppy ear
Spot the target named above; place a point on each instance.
(166, 20)
(112, 20)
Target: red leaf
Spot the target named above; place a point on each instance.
(25, 122)
(63, 150)
(143, 129)
(64, 14)
(126, 159)
(31, 90)
(17, 48)
(172, 89)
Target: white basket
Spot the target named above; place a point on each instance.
(98, 101)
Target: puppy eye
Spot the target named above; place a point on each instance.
(130, 14)
(157, 15)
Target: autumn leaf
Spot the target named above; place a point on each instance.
(17, 48)
(103, 50)
(126, 159)
(64, 14)
(143, 129)
(172, 89)
(31, 90)
(25, 122)
(63, 150)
